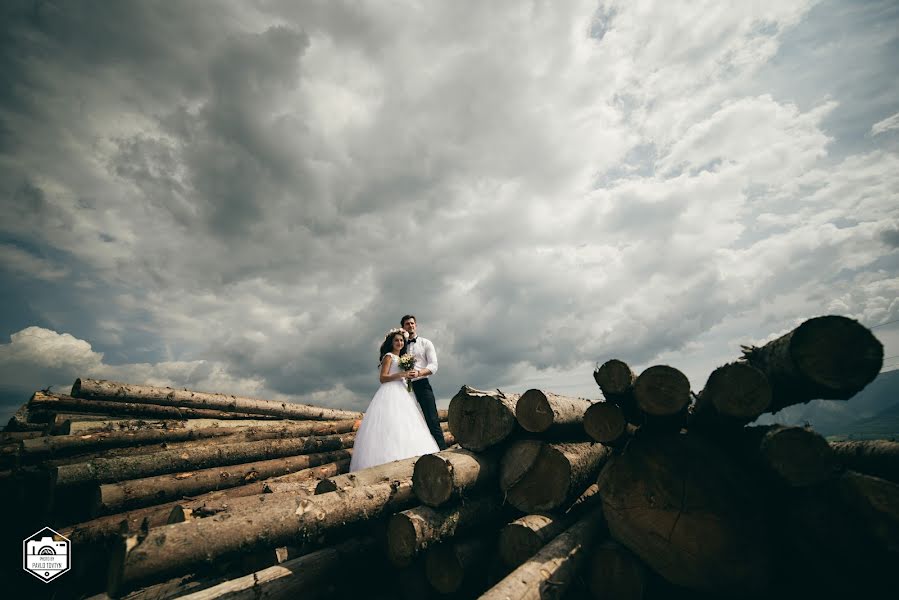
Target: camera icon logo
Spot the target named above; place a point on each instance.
(46, 554)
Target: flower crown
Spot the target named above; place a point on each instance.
(396, 330)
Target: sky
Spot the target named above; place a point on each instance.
(244, 196)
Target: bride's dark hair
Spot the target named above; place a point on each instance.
(387, 345)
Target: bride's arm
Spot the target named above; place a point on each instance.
(385, 368)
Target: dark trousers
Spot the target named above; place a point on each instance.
(425, 396)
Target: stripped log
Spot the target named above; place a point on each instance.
(830, 357)
(536, 476)
(110, 390)
(522, 538)
(614, 378)
(615, 573)
(62, 402)
(479, 419)
(411, 531)
(604, 422)
(172, 548)
(662, 391)
(734, 395)
(161, 488)
(689, 512)
(454, 473)
(796, 455)
(879, 458)
(539, 411)
(71, 444)
(398, 469)
(85, 427)
(131, 467)
(549, 572)
(456, 565)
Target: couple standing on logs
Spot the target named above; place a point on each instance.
(398, 424)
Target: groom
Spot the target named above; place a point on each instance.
(425, 365)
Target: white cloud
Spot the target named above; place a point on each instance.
(891, 122)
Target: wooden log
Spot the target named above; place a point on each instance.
(457, 565)
(295, 487)
(72, 444)
(876, 500)
(55, 419)
(536, 476)
(132, 467)
(62, 402)
(411, 531)
(879, 458)
(614, 378)
(604, 422)
(18, 436)
(734, 395)
(110, 390)
(398, 469)
(171, 548)
(539, 411)
(689, 512)
(454, 473)
(662, 391)
(615, 573)
(85, 427)
(549, 572)
(479, 419)
(795, 455)
(830, 357)
(522, 538)
(122, 495)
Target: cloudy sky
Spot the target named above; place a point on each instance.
(244, 196)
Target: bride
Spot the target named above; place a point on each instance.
(393, 427)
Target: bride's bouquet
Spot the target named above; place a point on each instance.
(407, 363)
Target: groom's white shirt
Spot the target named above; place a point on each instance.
(425, 355)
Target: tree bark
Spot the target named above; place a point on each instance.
(61, 402)
(523, 537)
(455, 565)
(132, 467)
(134, 493)
(479, 419)
(734, 395)
(689, 512)
(797, 456)
(172, 548)
(548, 573)
(536, 476)
(112, 425)
(110, 390)
(539, 411)
(662, 391)
(615, 573)
(829, 357)
(604, 422)
(398, 469)
(72, 444)
(454, 473)
(614, 378)
(879, 458)
(411, 531)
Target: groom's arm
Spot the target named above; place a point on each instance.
(430, 360)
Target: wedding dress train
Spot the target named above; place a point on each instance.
(393, 427)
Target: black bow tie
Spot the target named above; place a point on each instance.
(412, 341)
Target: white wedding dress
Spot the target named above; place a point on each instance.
(393, 427)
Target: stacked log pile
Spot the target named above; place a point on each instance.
(649, 491)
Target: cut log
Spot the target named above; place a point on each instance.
(134, 493)
(479, 419)
(71, 444)
(662, 391)
(85, 427)
(132, 467)
(454, 473)
(831, 358)
(879, 458)
(549, 572)
(734, 395)
(172, 548)
(604, 422)
(539, 411)
(615, 573)
(614, 378)
(797, 456)
(456, 565)
(398, 469)
(62, 402)
(536, 476)
(98, 389)
(297, 487)
(411, 531)
(689, 512)
(522, 538)
(876, 500)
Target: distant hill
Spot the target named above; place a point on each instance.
(873, 411)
